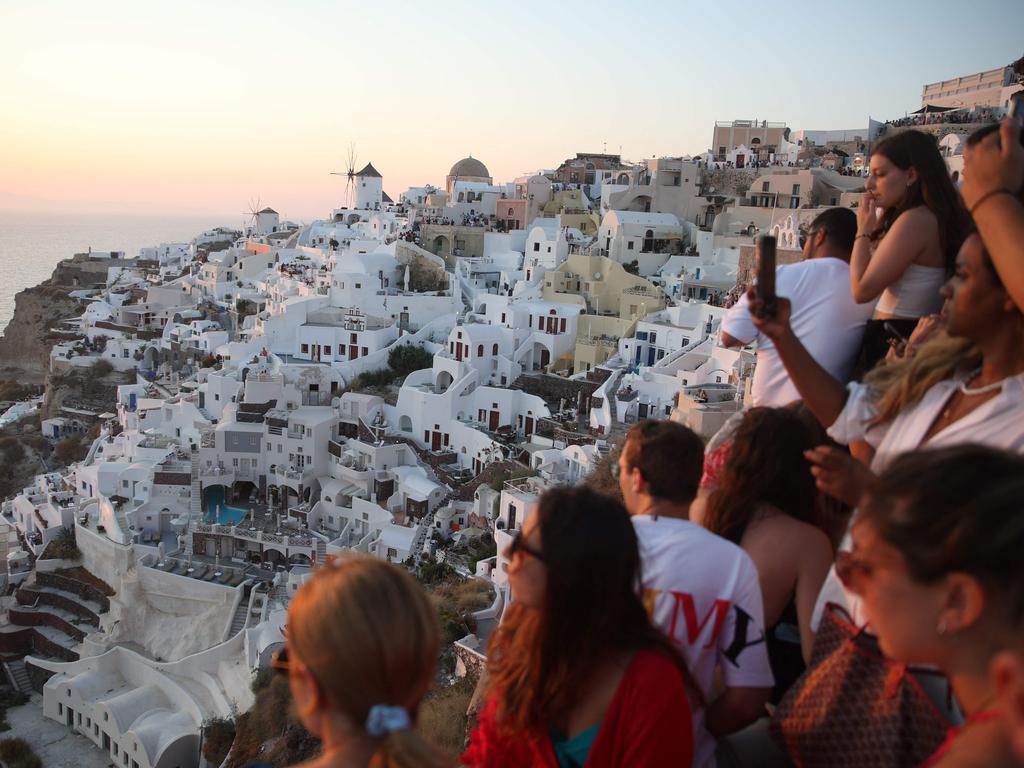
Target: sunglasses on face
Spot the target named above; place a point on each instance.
(518, 544)
(279, 661)
(852, 570)
(806, 237)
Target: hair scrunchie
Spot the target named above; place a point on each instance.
(384, 719)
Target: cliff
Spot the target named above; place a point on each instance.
(26, 342)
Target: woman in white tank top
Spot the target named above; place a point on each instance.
(909, 227)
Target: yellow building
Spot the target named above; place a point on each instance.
(613, 300)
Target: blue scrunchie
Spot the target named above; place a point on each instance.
(383, 720)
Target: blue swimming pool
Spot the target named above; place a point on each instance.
(219, 512)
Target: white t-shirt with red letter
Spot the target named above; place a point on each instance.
(703, 592)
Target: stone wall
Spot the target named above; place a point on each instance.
(28, 596)
(75, 587)
(552, 389)
(30, 640)
(37, 676)
(728, 181)
(42, 619)
(747, 270)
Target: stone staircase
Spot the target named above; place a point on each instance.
(321, 552)
(19, 675)
(240, 618)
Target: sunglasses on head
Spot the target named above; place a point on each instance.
(805, 237)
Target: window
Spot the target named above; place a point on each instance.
(765, 186)
(359, 285)
(629, 246)
(305, 349)
(796, 189)
(327, 349)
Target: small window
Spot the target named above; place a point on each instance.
(536, 246)
(629, 246)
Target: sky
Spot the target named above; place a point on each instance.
(202, 107)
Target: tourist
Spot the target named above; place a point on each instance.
(825, 317)
(964, 386)
(910, 225)
(701, 589)
(362, 649)
(766, 502)
(993, 191)
(936, 562)
(577, 674)
(1007, 670)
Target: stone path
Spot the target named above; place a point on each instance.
(56, 746)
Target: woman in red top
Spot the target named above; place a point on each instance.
(937, 563)
(577, 674)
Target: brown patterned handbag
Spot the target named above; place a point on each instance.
(854, 707)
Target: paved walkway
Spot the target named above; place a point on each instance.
(56, 746)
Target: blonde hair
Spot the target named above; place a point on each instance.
(370, 636)
(903, 383)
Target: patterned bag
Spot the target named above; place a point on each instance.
(854, 707)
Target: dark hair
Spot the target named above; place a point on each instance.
(933, 189)
(670, 457)
(840, 225)
(540, 660)
(958, 509)
(765, 465)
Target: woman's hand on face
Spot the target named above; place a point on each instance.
(996, 162)
(774, 325)
(838, 474)
(867, 219)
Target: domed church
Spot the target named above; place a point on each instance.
(467, 169)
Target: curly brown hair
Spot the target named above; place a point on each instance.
(765, 466)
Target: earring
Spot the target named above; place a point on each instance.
(940, 628)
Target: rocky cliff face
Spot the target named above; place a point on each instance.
(26, 342)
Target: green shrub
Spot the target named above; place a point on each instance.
(218, 734)
(18, 753)
(101, 368)
(407, 358)
(63, 547)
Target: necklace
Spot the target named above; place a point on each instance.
(965, 390)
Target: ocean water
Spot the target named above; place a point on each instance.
(31, 244)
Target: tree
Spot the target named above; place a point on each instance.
(405, 359)
(101, 368)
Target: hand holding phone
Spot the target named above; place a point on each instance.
(766, 252)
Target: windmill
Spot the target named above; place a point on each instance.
(350, 184)
(253, 214)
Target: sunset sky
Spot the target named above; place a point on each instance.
(199, 107)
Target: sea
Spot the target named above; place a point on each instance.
(32, 243)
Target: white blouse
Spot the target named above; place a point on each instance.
(998, 423)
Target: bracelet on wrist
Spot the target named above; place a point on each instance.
(991, 193)
(858, 237)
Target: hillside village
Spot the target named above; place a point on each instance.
(401, 378)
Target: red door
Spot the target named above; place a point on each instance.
(529, 426)
(494, 421)
(435, 441)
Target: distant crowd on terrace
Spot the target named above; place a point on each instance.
(834, 579)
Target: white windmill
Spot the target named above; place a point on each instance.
(350, 174)
(253, 216)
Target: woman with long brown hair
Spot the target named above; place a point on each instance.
(766, 502)
(577, 674)
(362, 649)
(910, 225)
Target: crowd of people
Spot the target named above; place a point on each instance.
(953, 116)
(833, 580)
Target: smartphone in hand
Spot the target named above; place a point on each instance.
(766, 275)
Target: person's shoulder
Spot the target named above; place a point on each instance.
(653, 667)
(789, 535)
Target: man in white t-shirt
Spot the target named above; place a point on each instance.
(700, 589)
(825, 316)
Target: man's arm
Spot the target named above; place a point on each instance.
(731, 341)
(736, 708)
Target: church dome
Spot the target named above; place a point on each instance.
(470, 167)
